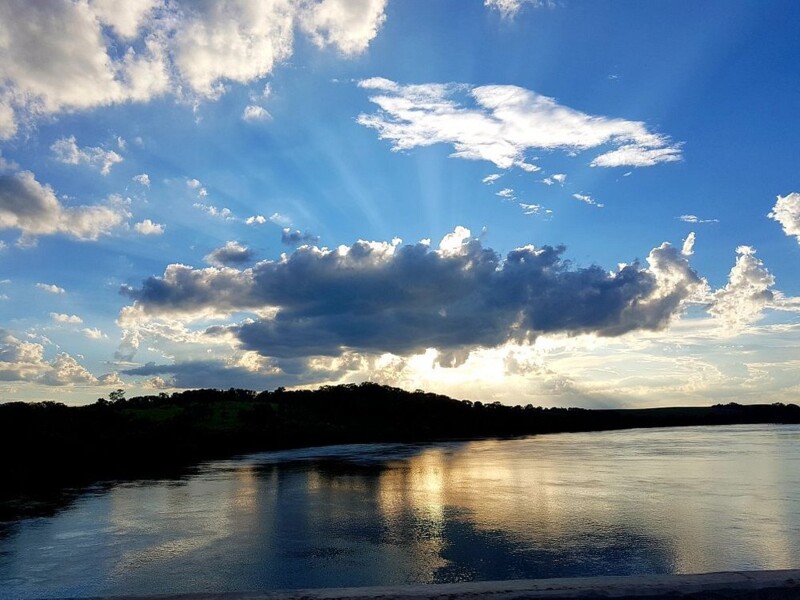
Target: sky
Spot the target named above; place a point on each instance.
(561, 203)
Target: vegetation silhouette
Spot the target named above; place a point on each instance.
(47, 445)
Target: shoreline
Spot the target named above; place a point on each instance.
(738, 585)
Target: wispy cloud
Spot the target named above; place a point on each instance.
(509, 8)
(534, 209)
(501, 123)
(559, 178)
(65, 318)
(586, 198)
(696, 219)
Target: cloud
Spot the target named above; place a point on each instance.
(147, 227)
(7, 165)
(280, 219)
(194, 184)
(24, 361)
(139, 50)
(787, 212)
(688, 244)
(211, 374)
(231, 254)
(64, 318)
(636, 155)
(67, 151)
(696, 219)
(51, 288)
(33, 209)
(747, 293)
(45, 71)
(346, 24)
(255, 113)
(506, 193)
(159, 383)
(65, 370)
(125, 18)
(380, 297)
(588, 200)
(489, 179)
(509, 8)
(93, 333)
(212, 211)
(501, 123)
(534, 209)
(142, 179)
(555, 178)
(256, 220)
(296, 238)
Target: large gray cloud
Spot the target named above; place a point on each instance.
(379, 297)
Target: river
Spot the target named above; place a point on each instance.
(676, 500)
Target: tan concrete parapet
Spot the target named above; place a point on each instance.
(738, 585)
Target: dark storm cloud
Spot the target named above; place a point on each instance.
(376, 297)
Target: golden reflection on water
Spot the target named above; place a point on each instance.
(548, 490)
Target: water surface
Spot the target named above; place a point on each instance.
(627, 502)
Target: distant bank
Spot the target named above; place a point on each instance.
(49, 445)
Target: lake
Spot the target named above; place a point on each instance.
(677, 500)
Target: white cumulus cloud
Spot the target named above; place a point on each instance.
(63, 56)
(349, 25)
(748, 291)
(25, 361)
(148, 227)
(67, 151)
(787, 212)
(51, 288)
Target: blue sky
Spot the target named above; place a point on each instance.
(562, 203)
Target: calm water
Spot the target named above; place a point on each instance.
(628, 502)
